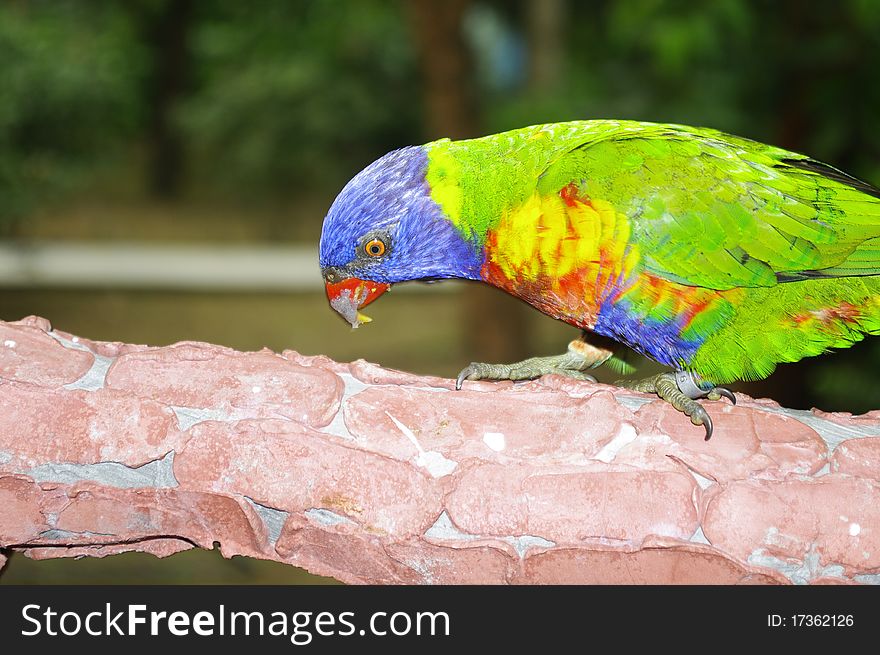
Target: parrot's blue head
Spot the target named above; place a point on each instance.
(383, 228)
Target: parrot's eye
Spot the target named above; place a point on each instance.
(375, 247)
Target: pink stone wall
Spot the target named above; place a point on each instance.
(377, 476)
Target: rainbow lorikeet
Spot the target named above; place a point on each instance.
(714, 255)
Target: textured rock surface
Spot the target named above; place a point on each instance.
(378, 476)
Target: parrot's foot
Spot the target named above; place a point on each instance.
(681, 390)
(580, 357)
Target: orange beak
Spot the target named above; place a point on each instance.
(349, 295)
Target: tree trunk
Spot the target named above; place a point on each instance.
(545, 43)
(169, 39)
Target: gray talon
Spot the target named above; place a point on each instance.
(707, 423)
(699, 416)
(465, 373)
(727, 393)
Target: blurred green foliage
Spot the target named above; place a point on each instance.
(283, 96)
(286, 95)
(68, 94)
(297, 93)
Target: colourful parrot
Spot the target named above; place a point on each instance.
(714, 255)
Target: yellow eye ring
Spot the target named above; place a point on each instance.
(375, 248)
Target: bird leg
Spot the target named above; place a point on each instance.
(681, 390)
(581, 356)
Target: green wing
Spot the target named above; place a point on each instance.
(712, 210)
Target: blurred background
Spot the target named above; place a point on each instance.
(165, 165)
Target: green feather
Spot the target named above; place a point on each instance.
(619, 366)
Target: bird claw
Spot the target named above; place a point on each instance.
(482, 371)
(718, 392)
(701, 417)
(682, 390)
(528, 369)
(694, 387)
(465, 374)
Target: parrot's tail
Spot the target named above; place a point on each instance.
(788, 322)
